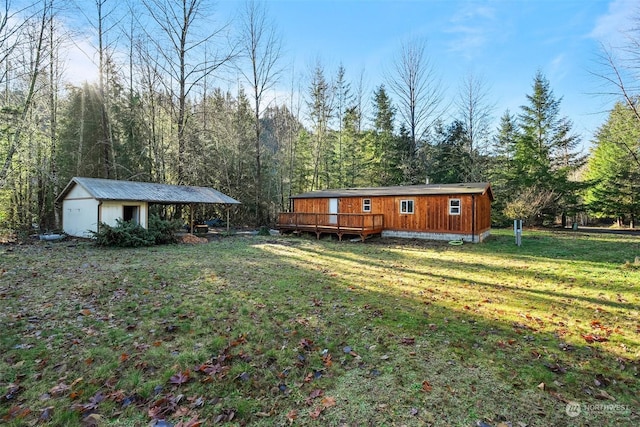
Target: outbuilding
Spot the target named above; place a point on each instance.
(88, 202)
(434, 211)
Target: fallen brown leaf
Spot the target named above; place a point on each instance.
(292, 415)
(59, 389)
(603, 395)
(315, 413)
(328, 402)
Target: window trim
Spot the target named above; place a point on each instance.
(453, 209)
(408, 203)
(366, 205)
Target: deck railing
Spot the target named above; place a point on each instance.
(330, 221)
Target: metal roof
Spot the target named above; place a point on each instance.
(403, 190)
(111, 189)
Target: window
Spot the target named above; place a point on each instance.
(454, 206)
(130, 213)
(406, 206)
(366, 205)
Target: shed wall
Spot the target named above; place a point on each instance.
(483, 213)
(79, 216)
(81, 213)
(77, 192)
(113, 210)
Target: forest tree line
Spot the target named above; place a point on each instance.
(159, 111)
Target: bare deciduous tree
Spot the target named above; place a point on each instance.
(36, 39)
(619, 70)
(262, 47)
(51, 179)
(619, 76)
(181, 59)
(418, 91)
(475, 112)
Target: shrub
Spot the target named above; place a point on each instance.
(264, 231)
(163, 231)
(530, 205)
(124, 234)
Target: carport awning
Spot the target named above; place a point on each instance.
(111, 189)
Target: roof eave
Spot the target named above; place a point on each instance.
(398, 191)
(224, 199)
(73, 182)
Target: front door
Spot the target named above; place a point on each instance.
(333, 209)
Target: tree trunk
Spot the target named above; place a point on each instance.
(15, 139)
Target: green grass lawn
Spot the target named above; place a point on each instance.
(267, 331)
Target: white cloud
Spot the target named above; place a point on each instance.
(611, 26)
(473, 11)
(468, 40)
(558, 69)
(471, 27)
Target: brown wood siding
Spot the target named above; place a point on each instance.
(312, 205)
(431, 213)
(483, 213)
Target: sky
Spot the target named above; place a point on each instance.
(502, 42)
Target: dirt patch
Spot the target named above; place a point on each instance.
(8, 237)
(192, 240)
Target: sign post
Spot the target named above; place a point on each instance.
(517, 230)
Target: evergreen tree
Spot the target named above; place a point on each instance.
(449, 160)
(280, 137)
(409, 164)
(81, 151)
(538, 126)
(544, 155)
(503, 173)
(612, 172)
(384, 157)
(320, 105)
(354, 161)
(343, 103)
(303, 171)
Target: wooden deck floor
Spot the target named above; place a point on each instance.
(362, 225)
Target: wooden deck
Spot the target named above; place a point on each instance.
(362, 225)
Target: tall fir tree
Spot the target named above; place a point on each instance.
(321, 111)
(502, 172)
(354, 161)
(449, 159)
(613, 172)
(544, 155)
(343, 103)
(384, 156)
